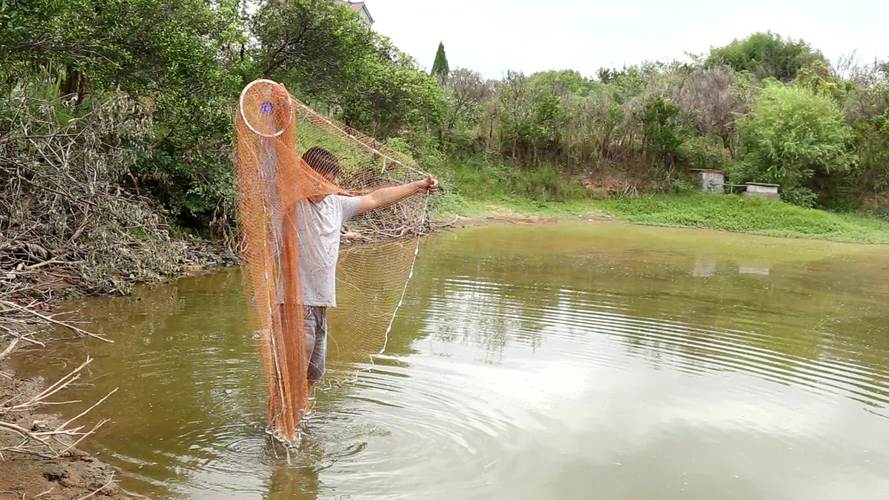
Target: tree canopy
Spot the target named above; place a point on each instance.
(766, 55)
(440, 67)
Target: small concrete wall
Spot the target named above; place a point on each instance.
(762, 190)
(711, 181)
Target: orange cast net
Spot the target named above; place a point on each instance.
(276, 136)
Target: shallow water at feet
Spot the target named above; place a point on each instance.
(567, 361)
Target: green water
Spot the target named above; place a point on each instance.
(548, 361)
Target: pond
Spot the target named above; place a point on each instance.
(562, 360)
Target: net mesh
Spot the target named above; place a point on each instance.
(278, 138)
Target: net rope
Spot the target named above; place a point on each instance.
(288, 156)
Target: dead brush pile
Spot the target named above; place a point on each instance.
(68, 227)
(65, 221)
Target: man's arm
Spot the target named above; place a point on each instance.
(393, 194)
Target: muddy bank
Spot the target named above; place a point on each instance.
(458, 221)
(29, 472)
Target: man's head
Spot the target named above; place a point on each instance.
(322, 161)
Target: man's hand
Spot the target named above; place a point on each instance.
(388, 195)
(427, 185)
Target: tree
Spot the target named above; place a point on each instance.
(389, 94)
(561, 83)
(516, 115)
(466, 93)
(792, 135)
(324, 54)
(171, 55)
(136, 45)
(766, 55)
(312, 45)
(866, 107)
(710, 99)
(440, 68)
(662, 132)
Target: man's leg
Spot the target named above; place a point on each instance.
(317, 359)
(310, 322)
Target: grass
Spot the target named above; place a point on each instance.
(478, 188)
(748, 215)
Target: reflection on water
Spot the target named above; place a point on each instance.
(567, 360)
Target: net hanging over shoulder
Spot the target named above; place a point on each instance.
(283, 151)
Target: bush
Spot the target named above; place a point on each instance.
(801, 196)
(791, 135)
(704, 152)
(477, 178)
(663, 133)
(546, 183)
(872, 144)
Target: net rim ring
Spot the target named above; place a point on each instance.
(241, 107)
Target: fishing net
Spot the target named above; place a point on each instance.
(284, 149)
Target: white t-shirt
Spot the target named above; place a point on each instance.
(318, 228)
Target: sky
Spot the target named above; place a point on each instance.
(493, 36)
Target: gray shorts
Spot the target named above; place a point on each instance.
(315, 321)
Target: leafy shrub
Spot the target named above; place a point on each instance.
(546, 183)
(682, 184)
(792, 134)
(477, 178)
(800, 196)
(872, 143)
(662, 130)
(704, 152)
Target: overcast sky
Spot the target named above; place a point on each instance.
(492, 36)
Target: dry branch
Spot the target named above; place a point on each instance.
(9, 348)
(62, 438)
(49, 319)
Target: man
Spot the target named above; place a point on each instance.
(319, 221)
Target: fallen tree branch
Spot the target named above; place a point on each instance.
(9, 348)
(45, 393)
(84, 412)
(59, 440)
(56, 322)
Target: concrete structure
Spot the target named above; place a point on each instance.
(711, 181)
(361, 9)
(762, 190)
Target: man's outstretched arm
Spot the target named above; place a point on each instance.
(393, 194)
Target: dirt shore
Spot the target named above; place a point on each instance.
(502, 217)
(75, 474)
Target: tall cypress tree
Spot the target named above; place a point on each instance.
(440, 68)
